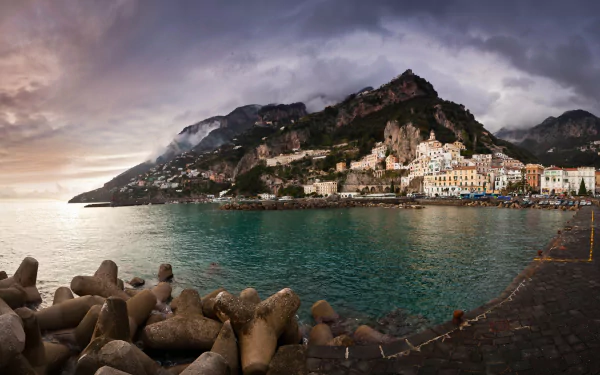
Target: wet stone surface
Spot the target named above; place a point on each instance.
(550, 325)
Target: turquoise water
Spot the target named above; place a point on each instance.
(364, 261)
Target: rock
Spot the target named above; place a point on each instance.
(137, 282)
(25, 276)
(162, 292)
(188, 329)
(106, 370)
(320, 335)
(85, 329)
(103, 349)
(341, 340)
(3, 275)
(14, 296)
(103, 283)
(67, 314)
(139, 308)
(367, 335)
(62, 294)
(226, 346)
(113, 322)
(250, 295)
(165, 272)
(289, 360)
(208, 363)
(322, 312)
(12, 336)
(34, 350)
(120, 284)
(258, 339)
(208, 303)
(18, 366)
(57, 356)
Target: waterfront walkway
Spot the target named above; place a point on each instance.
(546, 322)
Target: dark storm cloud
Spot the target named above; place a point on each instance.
(520, 82)
(91, 79)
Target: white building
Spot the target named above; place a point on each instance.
(324, 188)
(575, 175)
(289, 158)
(553, 181)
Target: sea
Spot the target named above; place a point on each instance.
(371, 264)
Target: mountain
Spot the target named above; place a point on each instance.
(205, 136)
(400, 113)
(563, 141)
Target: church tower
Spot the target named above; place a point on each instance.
(432, 135)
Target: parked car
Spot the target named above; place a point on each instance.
(571, 203)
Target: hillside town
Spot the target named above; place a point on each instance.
(437, 170)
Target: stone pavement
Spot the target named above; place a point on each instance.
(546, 322)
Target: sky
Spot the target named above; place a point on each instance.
(91, 88)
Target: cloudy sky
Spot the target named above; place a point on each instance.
(90, 88)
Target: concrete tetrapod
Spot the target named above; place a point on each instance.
(226, 346)
(85, 329)
(34, 350)
(322, 312)
(320, 335)
(56, 356)
(67, 314)
(113, 321)
(208, 303)
(162, 292)
(18, 366)
(165, 272)
(139, 308)
(367, 335)
(258, 338)
(14, 296)
(26, 276)
(112, 324)
(250, 295)
(121, 356)
(289, 360)
(208, 363)
(62, 294)
(103, 283)
(238, 311)
(12, 335)
(188, 329)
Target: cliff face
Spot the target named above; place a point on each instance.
(402, 88)
(281, 114)
(402, 140)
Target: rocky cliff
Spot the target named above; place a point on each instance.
(402, 140)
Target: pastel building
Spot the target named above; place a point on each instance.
(533, 175)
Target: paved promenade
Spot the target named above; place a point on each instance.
(546, 322)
